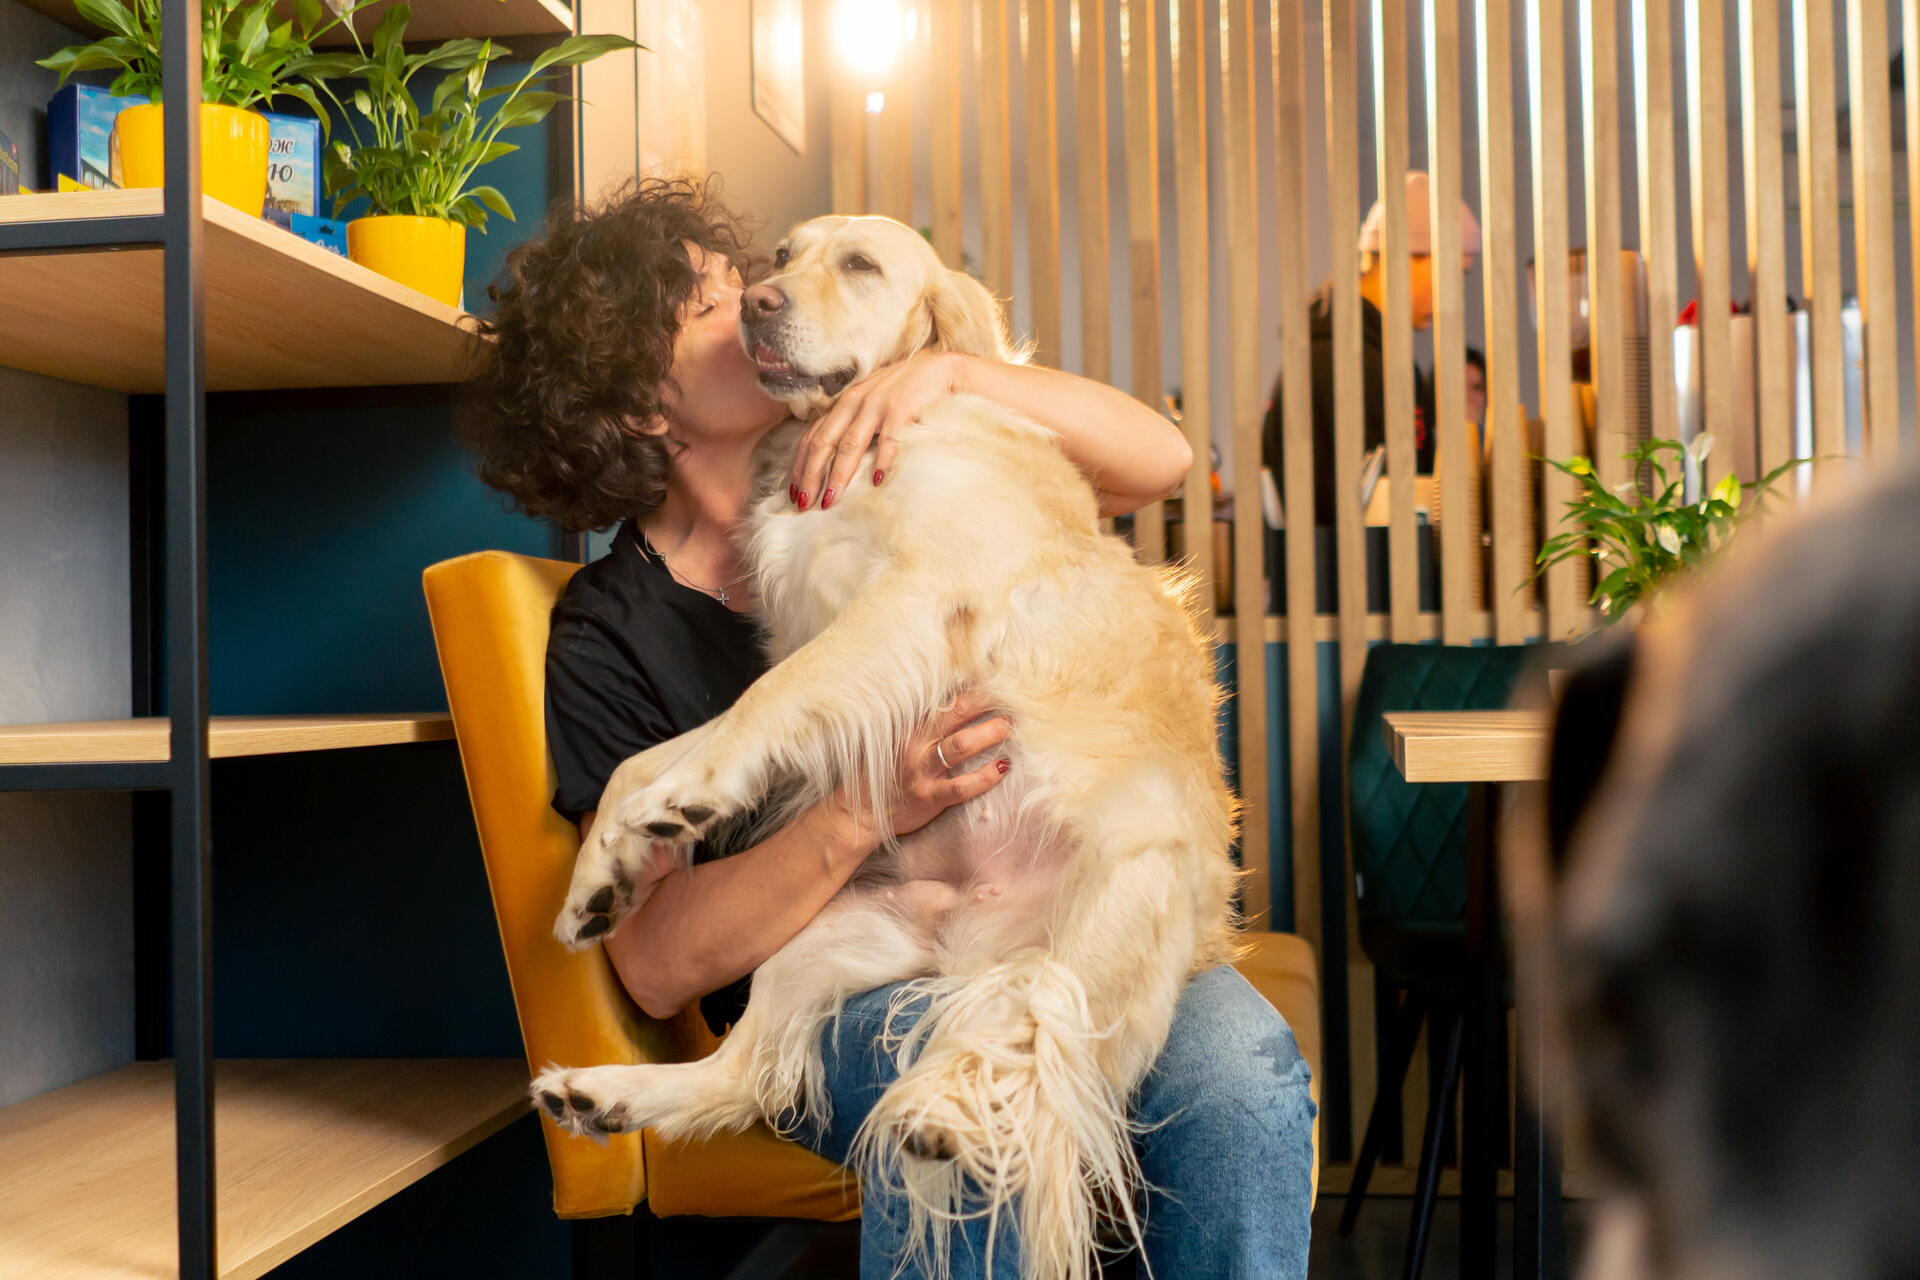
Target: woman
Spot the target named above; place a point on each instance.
(618, 392)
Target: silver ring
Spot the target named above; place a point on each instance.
(943, 757)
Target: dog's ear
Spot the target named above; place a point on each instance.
(966, 318)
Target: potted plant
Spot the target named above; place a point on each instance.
(246, 59)
(1642, 536)
(416, 168)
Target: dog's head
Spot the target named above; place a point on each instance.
(849, 295)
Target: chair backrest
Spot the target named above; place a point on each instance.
(1410, 839)
(490, 615)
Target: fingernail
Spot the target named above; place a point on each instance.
(878, 476)
(826, 499)
(1003, 764)
(803, 499)
(793, 494)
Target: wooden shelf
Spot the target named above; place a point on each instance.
(302, 1147)
(433, 20)
(106, 741)
(1469, 746)
(280, 311)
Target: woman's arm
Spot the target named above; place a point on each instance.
(698, 928)
(1131, 453)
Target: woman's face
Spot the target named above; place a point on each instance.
(715, 393)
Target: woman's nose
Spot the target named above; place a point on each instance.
(761, 300)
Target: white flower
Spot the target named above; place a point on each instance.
(1668, 539)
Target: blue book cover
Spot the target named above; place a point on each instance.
(79, 122)
(293, 168)
(325, 232)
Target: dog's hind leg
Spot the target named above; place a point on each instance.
(769, 1065)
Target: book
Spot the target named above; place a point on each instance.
(79, 123)
(9, 166)
(293, 168)
(328, 233)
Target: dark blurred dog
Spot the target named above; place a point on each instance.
(1740, 922)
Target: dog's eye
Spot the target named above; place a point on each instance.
(780, 256)
(860, 263)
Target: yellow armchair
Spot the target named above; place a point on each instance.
(490, 617)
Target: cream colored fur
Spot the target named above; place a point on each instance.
(1053, 921)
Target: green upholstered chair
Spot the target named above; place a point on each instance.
(1410, 883)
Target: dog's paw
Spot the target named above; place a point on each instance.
(673, 810)
(606, 882)
(584, 1101)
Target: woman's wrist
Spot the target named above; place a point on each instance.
(843, 834)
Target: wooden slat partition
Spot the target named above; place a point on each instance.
(1139, 70)
(1041, 110)
(1869, 116)
(895, 151)
(1512, 542)
(1089, 26)
(1766, 229)
(945, 28)
(1712, 251)
(996, 147)
(1599, 43)
(1910, 31)
(1396, 329)
(1820, 223)
(1349, 370)
(1459, 463)
(1237, 71)
(1547, 86)
(1187, 36)
(847, 122)
(1659, 222)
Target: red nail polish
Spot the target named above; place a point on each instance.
(878, 476)
(793, 494)
(803, 499)
(826, 500)
(1003, 764)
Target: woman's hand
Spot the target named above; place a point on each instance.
(927, 785)
(877, 406)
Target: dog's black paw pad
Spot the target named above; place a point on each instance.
(664, 830)
(555, 1104)
(614, 1121)
(579, 1101)
(601, 902)
(697, 813)
(595, 926)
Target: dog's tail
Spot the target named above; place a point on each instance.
(1003, 1115)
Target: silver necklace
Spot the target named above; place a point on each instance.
(719, 593)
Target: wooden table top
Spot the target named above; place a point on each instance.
(1469, 746)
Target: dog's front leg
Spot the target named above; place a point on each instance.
(839, 707)
(769, 1066)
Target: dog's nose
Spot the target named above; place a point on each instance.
(760, 301)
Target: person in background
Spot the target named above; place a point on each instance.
(1373, 290)
(1476, 387)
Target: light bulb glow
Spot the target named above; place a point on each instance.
(870, 34)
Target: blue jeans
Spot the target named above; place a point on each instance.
(1227, 1145)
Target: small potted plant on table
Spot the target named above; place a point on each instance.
(247, 59)
(416, 169)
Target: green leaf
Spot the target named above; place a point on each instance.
(1728, 491)
(575, 50)
(308, 12)
(253, 33)
(110, 14)
(491, 198)
(388, 34)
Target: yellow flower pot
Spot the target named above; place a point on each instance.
(233, 153)
(428, 254)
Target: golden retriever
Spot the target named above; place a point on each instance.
(1052, 921)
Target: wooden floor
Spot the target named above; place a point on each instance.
(690, 1249)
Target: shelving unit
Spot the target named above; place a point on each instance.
(433, 20)
(280, 311)
(87, 1172)
(145, 740)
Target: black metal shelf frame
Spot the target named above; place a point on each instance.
(185, 776)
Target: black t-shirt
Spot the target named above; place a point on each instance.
(636, 658)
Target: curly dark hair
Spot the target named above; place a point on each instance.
(583, 326)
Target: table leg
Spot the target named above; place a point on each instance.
(1484, 1008)
(1539, 1248)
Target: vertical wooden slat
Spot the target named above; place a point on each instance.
(1547, 90)
(847, 118)
(944, 42)
(1599, 44)
(1512, 549)
(1910, 29)
(1396, 330)
(1820, 223)
(1659, 221)
(1296, 440)
(895, 152)
(1089, 25)
(1766, 229)
(996, 148)
(1139, 68)
(1249, 528)
(1707, 120)
(609, 133)
(1459, 462)
(1870, 118)
(1041, 108)
(1187, 38)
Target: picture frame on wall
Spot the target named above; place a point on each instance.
(779, 70)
